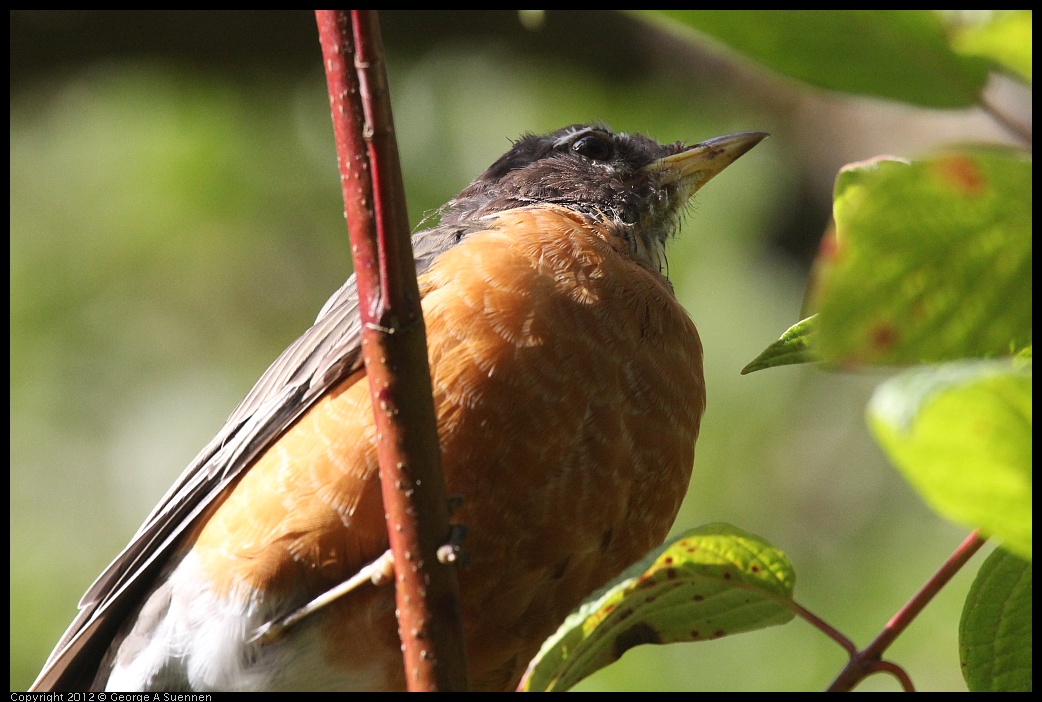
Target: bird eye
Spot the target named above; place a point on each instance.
(594, 146)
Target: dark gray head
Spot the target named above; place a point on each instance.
(636, 184)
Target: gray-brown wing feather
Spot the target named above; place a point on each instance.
(326, 353)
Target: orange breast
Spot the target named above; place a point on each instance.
(568, 387)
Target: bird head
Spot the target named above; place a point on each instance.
(635, 185)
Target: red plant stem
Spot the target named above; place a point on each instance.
(823, 626)
(867, 661)
(395, 350)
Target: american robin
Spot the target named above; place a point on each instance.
(568, 389)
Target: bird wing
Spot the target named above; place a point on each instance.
(328, 352)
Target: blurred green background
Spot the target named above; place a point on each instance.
(176, 221)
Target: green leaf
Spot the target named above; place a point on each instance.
(995, 631)
(710, 582)
(1000, 36)
(791, 348)
(931, 261)
(960, 433)
(894, 54)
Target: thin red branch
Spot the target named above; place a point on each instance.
(867, 661)
(820, 624)
(395, 349)
(898, 672)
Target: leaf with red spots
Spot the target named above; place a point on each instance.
(933, 261)
(710, 582)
